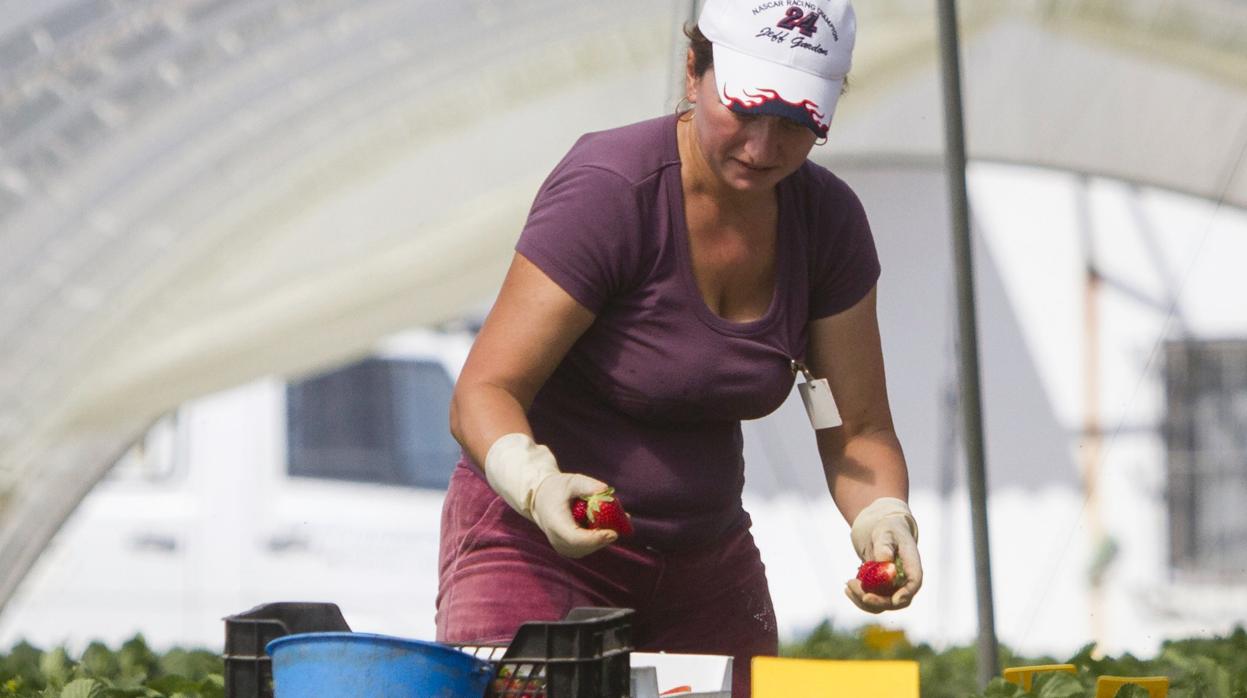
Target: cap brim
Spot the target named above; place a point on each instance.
(755, 86)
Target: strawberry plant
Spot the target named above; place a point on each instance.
(1197, 668)
(133, 671)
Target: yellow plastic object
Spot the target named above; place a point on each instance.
(1108, 686)
(881, 639)
(782, 677)
(1025, 675)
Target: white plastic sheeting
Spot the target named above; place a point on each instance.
(196, 192)
(356, 169)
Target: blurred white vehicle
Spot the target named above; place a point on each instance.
(326, 488)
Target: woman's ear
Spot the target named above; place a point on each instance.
(691, 78)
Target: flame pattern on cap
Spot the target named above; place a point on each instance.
(765, 101)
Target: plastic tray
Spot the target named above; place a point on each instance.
(585, 655)
(248, 668)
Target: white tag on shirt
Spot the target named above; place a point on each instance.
(819, 404)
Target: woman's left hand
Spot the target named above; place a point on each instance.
(886, 531)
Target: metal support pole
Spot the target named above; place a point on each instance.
(971, 401)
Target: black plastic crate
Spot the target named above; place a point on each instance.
(585, 655)
(248, 668)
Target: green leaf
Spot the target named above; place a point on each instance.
(170, 685)
(194, 664)
(131, 693)
(100, 662)
(212, 686)
(23, 662)
(1132, 690)
(999, 688)
(1059, 685)
(136, 660)
(56, 666)
(83, 688)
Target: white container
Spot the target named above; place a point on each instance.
(707, 675)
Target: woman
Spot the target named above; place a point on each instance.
(669, 278)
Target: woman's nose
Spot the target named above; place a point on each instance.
(763, 140)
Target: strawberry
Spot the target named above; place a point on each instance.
(602, 510)
(519, 684)
(882, 578)
(580, 512)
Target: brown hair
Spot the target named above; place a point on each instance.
(703, 50)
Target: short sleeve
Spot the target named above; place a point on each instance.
(845, 263)
(582, 231)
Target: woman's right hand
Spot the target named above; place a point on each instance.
(526, 475)
(552, 512)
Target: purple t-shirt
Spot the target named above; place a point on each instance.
(650, 398)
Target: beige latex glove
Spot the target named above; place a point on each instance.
(886, 531)
(526, 475)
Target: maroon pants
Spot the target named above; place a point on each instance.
(497, 570)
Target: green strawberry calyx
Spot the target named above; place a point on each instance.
(899, 580)
(596, 501)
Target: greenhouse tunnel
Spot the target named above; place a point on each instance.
(196, 193)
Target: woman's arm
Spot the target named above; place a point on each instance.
(531, 327)
(527, 333)
(862, 459)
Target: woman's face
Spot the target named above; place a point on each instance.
(747, 153)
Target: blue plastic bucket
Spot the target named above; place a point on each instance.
(342, 665)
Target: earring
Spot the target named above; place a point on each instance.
(821, 141)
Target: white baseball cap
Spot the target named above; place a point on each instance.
(781, 57)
